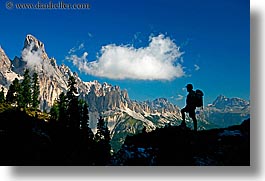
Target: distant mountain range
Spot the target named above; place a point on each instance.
(123, 115)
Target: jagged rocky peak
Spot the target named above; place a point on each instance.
(222, 102)
(33, 44)
(6, 74)
(31, 39)
(125, 94)
(65, 70)
(5, 63)
(161, 105)
(98, 88)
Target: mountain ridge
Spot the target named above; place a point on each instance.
(124, 116)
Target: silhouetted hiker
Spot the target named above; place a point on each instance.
(190, 107)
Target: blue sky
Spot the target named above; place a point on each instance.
(212, 35)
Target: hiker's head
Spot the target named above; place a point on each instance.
(189, 87)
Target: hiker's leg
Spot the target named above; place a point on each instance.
(183, 114)
(193, 116)
(183, 123)
(195, 123)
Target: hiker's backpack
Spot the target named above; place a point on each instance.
(199, 98)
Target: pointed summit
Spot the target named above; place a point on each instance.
(34, 45)
(31, 39)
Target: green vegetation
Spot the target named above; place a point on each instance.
(24, 94)
(5, 107)
(62, 137)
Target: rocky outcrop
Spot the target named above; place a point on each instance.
(6, 74)
(35, 45)
(5, 63)
(227, 111)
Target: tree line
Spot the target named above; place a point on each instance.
(23, 94)
(68, 125)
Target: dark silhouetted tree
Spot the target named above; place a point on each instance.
(84, 120)
(35, 91)
(54, 112)
(25, 90)
(2, 95)
(83, 108)
(73, 112)
(102, 138)
(100, 129)
(62, 108)
(72, 90)
(10, 96)
(13, 91)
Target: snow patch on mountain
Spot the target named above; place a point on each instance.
(138, 116)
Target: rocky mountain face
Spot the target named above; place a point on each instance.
(53, 78)
(6, 73)
(123, 115)
(225, 103)
(5, 65)
(225, 111)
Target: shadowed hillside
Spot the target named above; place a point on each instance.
(30, 140)
(176, 146)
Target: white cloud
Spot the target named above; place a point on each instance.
(75, 49)
(36, 59)
(196, 67)
(180, 97)
(158, 61)
(31, 57)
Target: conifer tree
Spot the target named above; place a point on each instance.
(13, 92)
(103, 133)
(84, 115)
(54, 112)
(72, 90)
(2, 96)
(73, 112)
(100, 129)
(10, 96)
(84, 121)
(35, 91)
(62, 108)
(102, 138)
(25, 90)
